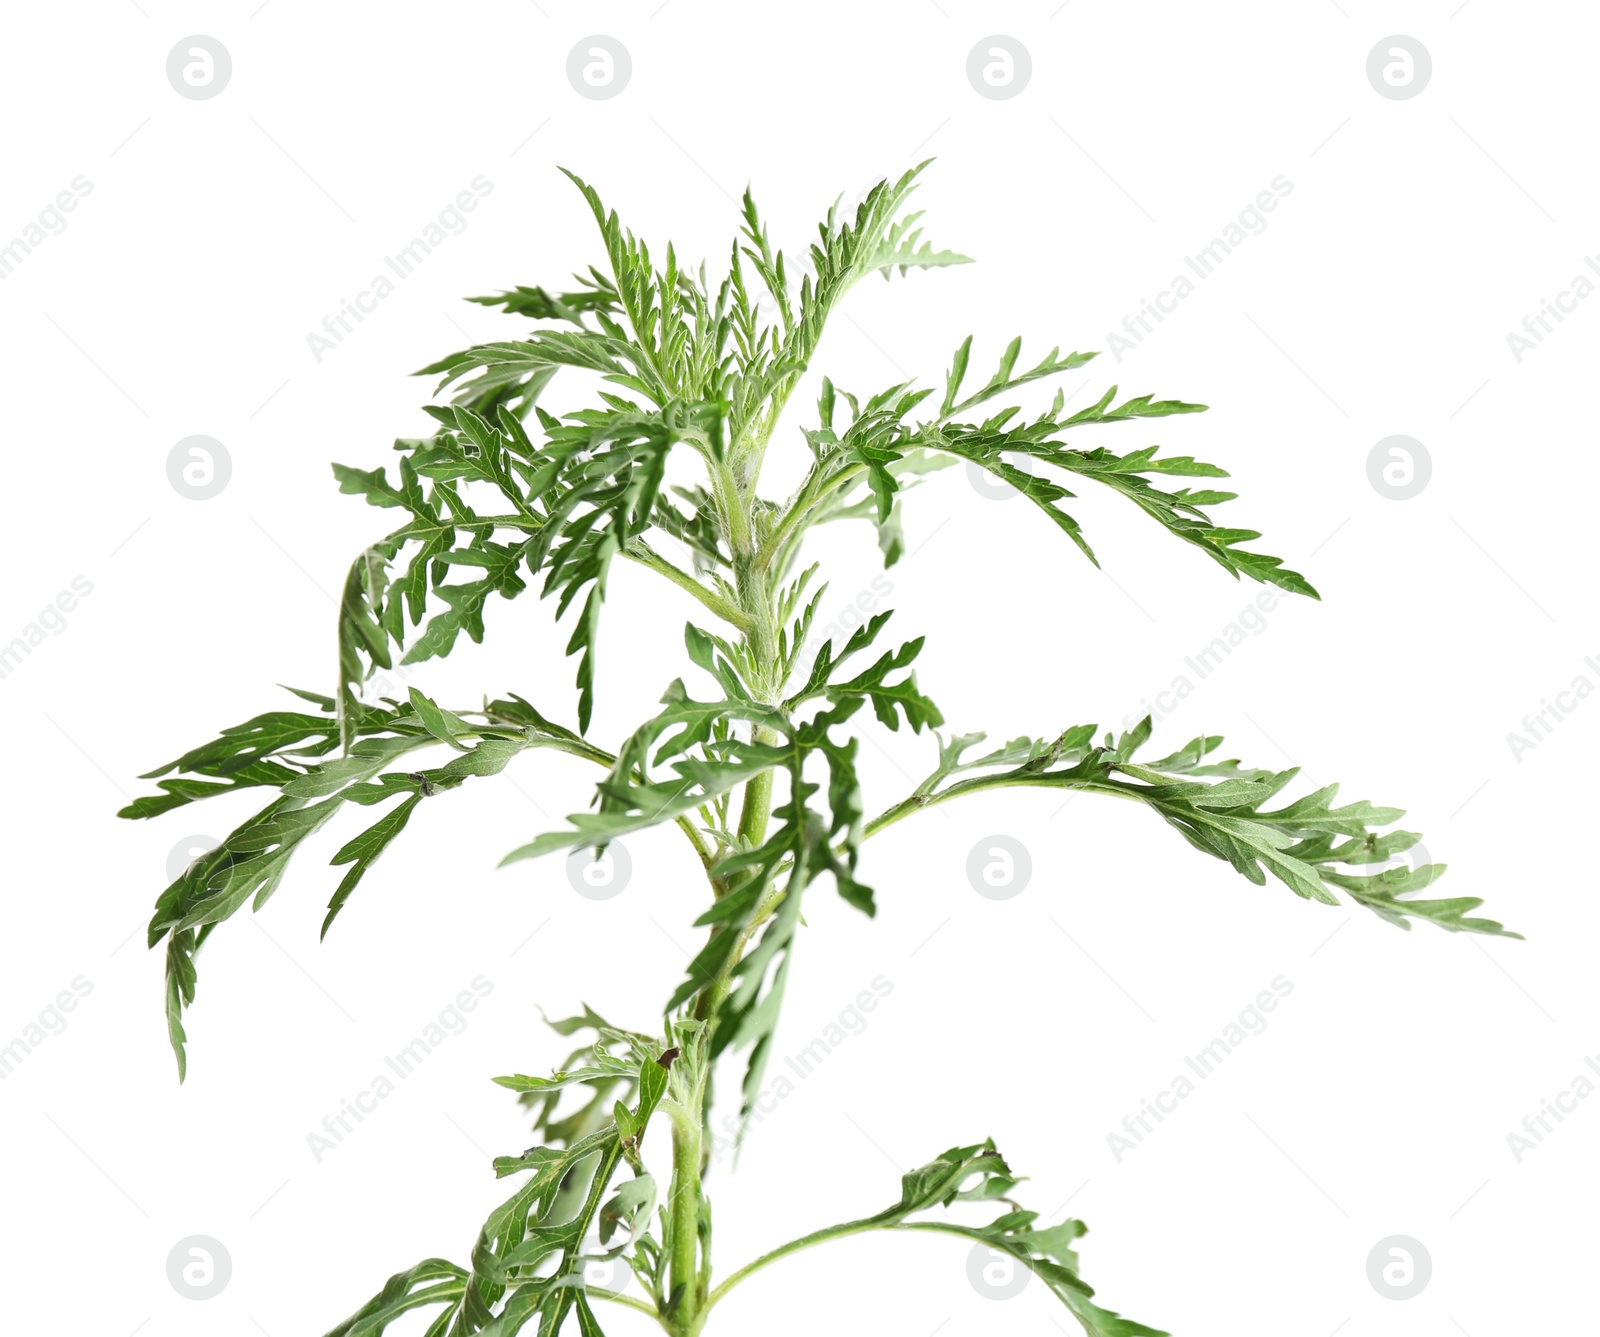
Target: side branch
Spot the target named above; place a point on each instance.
(642, 553)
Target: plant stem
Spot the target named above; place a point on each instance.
(798, 516)
(793, 1246)
(642, 553)
(917, 802)
(614, 1297)
(833, 1233)
(700, 847)
(683, 1217)
(757, 805)
(762, 638)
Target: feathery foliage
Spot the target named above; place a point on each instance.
(761, 776)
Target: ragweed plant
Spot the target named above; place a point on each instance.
(759, 770)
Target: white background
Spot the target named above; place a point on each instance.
(1418, 233)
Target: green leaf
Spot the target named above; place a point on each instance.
(889, 700)
(363, 852)
(635, 807)
(432, 1281)
(539, 304)
(1180, 513)
(1002, 382)
(444, 726)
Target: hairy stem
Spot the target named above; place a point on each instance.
(762, 639)
(642, 553)
(683, 1218)
(798, 517)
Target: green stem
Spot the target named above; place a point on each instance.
(756, 617)
(917, 802)
(700, 846)
(580, 748)
(756, 809)
(711, 997)
(832, 1233)
(762, 639)
(683, 1218)
(615, 1297)
(793, 1246)
(730, 507)
(646, 556)
(812, 495)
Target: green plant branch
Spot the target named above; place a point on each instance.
(731, 504)
(616, 1297)
(843, 1231)
(916, 803)
(641, 552)
(906, 808)
(813, 493)
(793, 1246)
